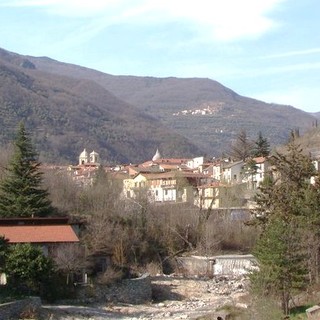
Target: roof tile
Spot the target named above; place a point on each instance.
(39, 234)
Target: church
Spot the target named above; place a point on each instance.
(86, 158)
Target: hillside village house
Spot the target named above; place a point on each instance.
(209, 196)
(231, 172)
(315, 156)
(176, 180)
(215, 169)
(262, 167)
(173, 186)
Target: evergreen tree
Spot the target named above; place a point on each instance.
(28, 270)
(284, 191)
(261, 147)
(287, 202)
(21, 191)
(282, 261)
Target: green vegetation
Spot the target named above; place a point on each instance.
(261, 147)
(288, 213)
(69, 114)
(22, 193)
(28, 270)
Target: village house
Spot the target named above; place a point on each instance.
(196, 163)
(231, 172)
(254, 178)
(215, 169)
(209, 196)
(172, 186)
(315, 157)
(177, 180)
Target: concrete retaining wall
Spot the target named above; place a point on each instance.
(195, 265)
(313, 313)
(231, 265)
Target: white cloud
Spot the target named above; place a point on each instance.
(293, 53)
(228, 19)
(219, 20)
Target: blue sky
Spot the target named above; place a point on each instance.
(264, 49)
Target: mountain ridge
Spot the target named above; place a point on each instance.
(214, 113)
(69, 114)
(162, 97)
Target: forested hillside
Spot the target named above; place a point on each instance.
(126, 118)
(203, 110)
(66, 115)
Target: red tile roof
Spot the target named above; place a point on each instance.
(39, 234)
(259, 159)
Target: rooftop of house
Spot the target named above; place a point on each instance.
(39, 233)
(172, 161)
(259, 160)
(34, 221)
(174, 175)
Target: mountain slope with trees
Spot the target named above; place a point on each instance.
(226, 112)
(181, 117)
(66, 115)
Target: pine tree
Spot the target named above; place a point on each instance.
(284, 192)
(21, 191)
(261, 146)
(286, 203)
(282, 261)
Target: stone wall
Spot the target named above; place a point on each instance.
(26, 308)
(133, 291)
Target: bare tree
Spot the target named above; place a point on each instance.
(242, 147)
(70, 259)
(64, 193)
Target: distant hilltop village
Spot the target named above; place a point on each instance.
(204, 109)
(214, 184)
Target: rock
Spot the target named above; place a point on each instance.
(241, 305)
